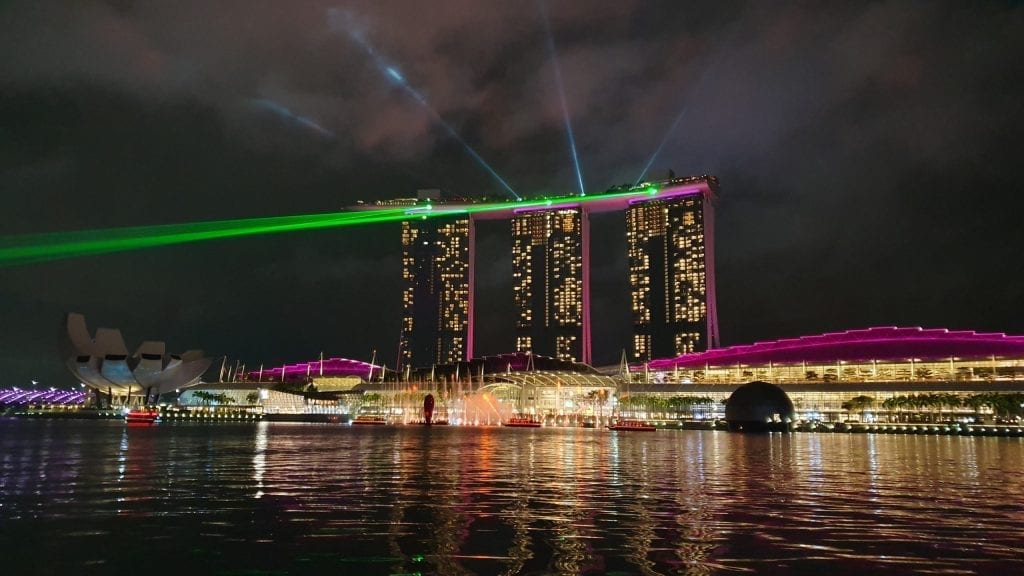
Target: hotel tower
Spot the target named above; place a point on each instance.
(435, 290)
(548, 282)
(671, 274)
(670, 243)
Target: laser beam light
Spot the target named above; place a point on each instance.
(35, 248)
(664, 139)
(713, 64)
(344, 21)
(290, 117)
(561, 95)
(27, 249)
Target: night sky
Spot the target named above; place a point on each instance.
(869, 156)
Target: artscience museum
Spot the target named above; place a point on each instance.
(117, 377)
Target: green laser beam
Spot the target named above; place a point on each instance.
(27, 249)
(35, 248)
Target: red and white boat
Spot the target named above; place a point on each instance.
(522, 422)
(142, 416)
(626, 424)
(366, 420)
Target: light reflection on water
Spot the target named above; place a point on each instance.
(97, 497)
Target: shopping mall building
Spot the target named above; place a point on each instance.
(870, 374)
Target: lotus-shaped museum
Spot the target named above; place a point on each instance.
(103, 363)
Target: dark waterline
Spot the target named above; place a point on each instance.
(101, 498)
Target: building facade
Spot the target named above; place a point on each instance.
(671, 270)
(435, 290)
(874, 374)
(548, 282)
(671, 274)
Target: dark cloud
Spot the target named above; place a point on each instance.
(868, 154)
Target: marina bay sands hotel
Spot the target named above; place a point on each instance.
(670, 243)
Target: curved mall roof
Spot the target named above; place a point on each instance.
(334, 367)
(342, 367)
(883, 344)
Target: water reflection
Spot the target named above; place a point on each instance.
(312, 499)
(259, 457)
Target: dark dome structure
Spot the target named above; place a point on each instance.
(759, 407)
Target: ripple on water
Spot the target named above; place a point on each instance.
(312, 499)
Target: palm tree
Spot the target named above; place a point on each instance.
(976, 402)
(372, 399)
(1008, 404)
(205, 397)
(898, 403)
(858, 404)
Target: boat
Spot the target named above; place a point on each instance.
(142, 416)
(628, 424)
(441, 422)
(625, 424)
(522, 422)
(366, 420)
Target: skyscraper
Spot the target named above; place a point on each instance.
(548, 282)
(671, 273)
(671, 268)
(435, 290)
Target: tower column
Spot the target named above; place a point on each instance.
(585, 321)
(472, 288)
(709, 269)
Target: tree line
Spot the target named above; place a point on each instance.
(663, 404)
(1001, 404)
(208, 398)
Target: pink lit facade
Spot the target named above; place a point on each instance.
(889, 354)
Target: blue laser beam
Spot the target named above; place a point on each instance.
(712, 64)
(341, 20)
(561, 95)
(664, 139)
(291, 117)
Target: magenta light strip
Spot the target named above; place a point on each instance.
(883, 344)
(472, 289)
(710, 295)
(585, 223)
(668, 194)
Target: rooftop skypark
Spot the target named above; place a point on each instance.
(614, 198)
